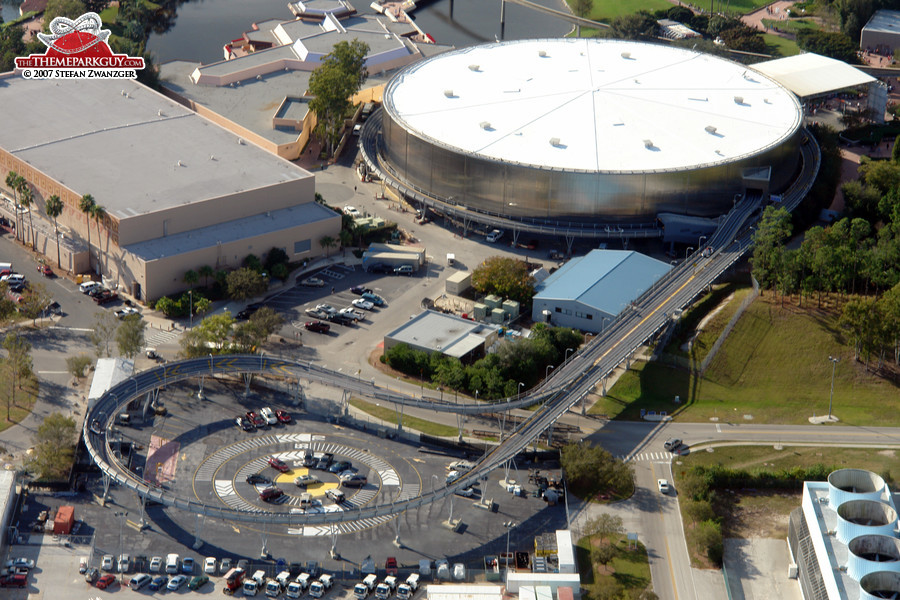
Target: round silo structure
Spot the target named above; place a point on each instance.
(586, 129)
(853, 484)
(864, 517)
(872, 553)
(882, 584)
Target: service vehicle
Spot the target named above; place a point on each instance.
(390, 566)
(273, 588)
(336, 496)
(313, 568)
(365, 587)
(385, 589)
(176, 582)
(284, 578)
(198, 581)
(253, 585)
(298, 586)
(234, 580)
(459, 572)
(139, 581)
(406, 589)
(106, 581)
(318, 588)
(269, 415)
(209, 565)
(172, 561)
(425, 567)
(442, 568)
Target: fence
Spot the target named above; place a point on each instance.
(725, 332)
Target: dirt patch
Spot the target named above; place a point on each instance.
(888, 453)
(759, 514)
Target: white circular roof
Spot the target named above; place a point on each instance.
(593, 105)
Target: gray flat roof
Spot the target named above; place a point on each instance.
(246, 227)
(448, 334)
(884, 21)
(251, 104)
(294, 108)
(124, 148)
(378, 41)
(260, 57)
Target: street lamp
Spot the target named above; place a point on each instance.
(700, 241)
(687, 251)
(567, 355)
(476, 395)
(547, 371)
(519, 393)
(834, 361)
(191, 296)
(509, 525)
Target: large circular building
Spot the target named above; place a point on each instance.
(582, 129)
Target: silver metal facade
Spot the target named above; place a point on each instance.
(517, 190)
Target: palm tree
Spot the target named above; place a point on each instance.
(327, 242)
(206, 272)
(99, 214)
(86, 205)
(54, 207)
(27, 200)
(14, 182)
(191, 277)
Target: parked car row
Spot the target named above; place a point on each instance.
(264, 418)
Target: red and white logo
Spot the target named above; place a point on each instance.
(78, 50)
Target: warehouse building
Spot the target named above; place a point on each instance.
(179, 191)
(588, 293)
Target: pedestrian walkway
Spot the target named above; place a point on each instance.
(158, 337)
(647, 457)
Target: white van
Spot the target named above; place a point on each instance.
(87, 286)
(306, 501)
(6, 266)
(172, 564)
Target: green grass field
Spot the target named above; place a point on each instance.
(767, 457)
(389, 415)
(629, 568)
(779, 46)
(605, 10)
(774, 367)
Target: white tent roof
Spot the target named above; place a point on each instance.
(811, 74)
(108, 372)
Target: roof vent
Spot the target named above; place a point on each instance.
(486, 125)
(648, 144)
(626, 55)
(240, 141)
(259, 77)
(231, 84)
(738, 99)
(475, 68)
(542, 53)
(212, 157)
(180, 164)
(554, 142)
(449, 93)
(710, 129)
(159, 113)
(124, 93)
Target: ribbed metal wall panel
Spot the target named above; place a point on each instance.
(853, 484)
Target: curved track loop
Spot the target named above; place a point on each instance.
(567, 385)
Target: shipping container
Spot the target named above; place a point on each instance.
(65, 519)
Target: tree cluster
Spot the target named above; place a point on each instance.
(642, 25)
(504, 277)
(221, 334)
(333, 84)
(496, 375)
(17, 369)
(591, 470)
(54, 445)
(827, 43)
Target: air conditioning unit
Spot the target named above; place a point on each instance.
(448, 93)
(738, 99)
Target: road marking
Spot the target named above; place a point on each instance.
(84, 329)
(52, 372)
(666, 540)
(718, 428)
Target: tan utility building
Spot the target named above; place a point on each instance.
(179, 191)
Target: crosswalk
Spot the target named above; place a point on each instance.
(158, 337)
(332, 274)
(647, 457)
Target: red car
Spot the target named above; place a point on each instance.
(317, 326)
(45, 270)
(106, 581)
(278, 464)
(270, 493)
(15, 580)
(282, 416)
(256, 419)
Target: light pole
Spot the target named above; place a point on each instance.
(476, 395)
(834, 361)
(567, 355)
(687, 251)
(433, 479)
(547, 371)
(509, 525)
(191, 297)
(519, 393)
(700, 241)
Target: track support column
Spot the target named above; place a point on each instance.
(197, 530)
(200, 391)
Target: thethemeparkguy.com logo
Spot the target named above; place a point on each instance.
(78, 50)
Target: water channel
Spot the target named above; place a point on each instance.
(203, 27)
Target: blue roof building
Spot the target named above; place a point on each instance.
(589, 292)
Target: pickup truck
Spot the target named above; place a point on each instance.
(105, 297)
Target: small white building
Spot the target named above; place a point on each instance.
(450, 335)
(107, 373)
